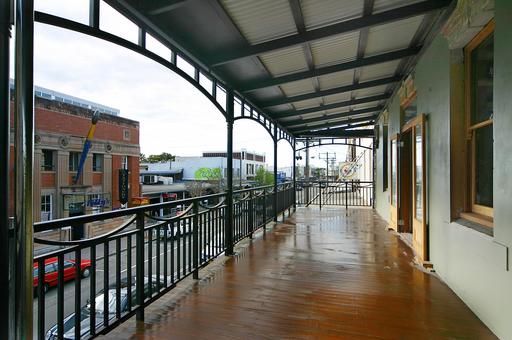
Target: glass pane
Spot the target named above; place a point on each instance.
(483, 165)
(482, 74)
(394, 166)
(418, 174)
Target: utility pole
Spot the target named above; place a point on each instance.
(325, 156)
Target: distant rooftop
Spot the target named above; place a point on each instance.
(65, 98)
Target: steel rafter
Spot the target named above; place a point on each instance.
(336, 90)
(360, 62)
(333, 125)
(363, 100)
(319, 33)
(339, 133)
(333, 116)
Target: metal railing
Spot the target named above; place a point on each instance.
(116, 275)
(352, 193)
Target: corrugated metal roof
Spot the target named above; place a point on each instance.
(365, 105)
(385, 5)
(285, 61)
(392, 36)
(369, 91)
(305, 104)
(298, 87)
(261, 20)
(335, 98)
(379, 70)
(319, 13)
(336, 79)
(338, 48)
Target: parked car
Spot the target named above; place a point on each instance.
(176, 229)
(85, 312)
(51, 274)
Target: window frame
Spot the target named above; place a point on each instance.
(95, 167)
(50, 204)
(473, 211)
(44, 167)
(71, 162)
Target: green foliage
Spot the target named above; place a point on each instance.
(208, 174)
(163, 157)
(264, 177)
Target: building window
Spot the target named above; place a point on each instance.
(385, 158)
(124, 162)
(479, 60)
(48, 160)
(126, 135)
(97, 162)
(74, 160)
(46, 207)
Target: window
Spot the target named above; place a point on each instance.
(385, 158)
(48, 160)
(126, 135)
(46, 207)
(124, 162)
(479, 124)
(394, 174)
(74, 160)
(97, 162)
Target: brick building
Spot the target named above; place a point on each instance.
(61, 125)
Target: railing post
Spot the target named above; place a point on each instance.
(294, 194)
(346, 198)
(228, 235)
(275, 175)
(24, 154)
(320, 193)
(6, 313)
(139, 265)
(195, 240)
(265, 209)
(251, 214)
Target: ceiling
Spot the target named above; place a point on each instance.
(312, 65)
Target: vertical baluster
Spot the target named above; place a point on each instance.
(105, 282)
(40, 297)
(195, 241)
(118, 277)
(158, 283)
(60, 296)
(150, 262)
(78, 290)
(139, 265)
(166, 226)
(129, 271)
(92, 291)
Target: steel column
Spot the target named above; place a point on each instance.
(275, 174)
(306, 170)
(294, 176)
(6, 313)
(229, 189)
(24, 150)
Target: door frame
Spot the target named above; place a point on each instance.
(419, 227)
(393, 155)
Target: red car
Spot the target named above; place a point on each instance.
(51, 273)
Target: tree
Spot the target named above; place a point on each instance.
(210, 175)
(195, 188)
(264, 177)
(163, 157)
(142, 158)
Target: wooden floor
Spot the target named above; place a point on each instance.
(320, 275)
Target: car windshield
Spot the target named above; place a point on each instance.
(100, 302)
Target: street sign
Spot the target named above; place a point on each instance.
(123, 186)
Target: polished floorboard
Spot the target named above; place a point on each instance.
(318, 275)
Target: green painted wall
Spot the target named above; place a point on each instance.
(473, 264)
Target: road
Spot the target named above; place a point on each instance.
(175, 250)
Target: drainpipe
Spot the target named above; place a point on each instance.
(24, 150)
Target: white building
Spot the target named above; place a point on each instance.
(244, 162)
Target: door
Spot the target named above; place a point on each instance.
(394, 182)
(419, 214)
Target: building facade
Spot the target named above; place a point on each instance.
(444, 159)
(61, 125)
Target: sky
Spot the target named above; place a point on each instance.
(174, 116)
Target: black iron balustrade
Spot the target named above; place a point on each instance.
(353, 193)
(131, 266)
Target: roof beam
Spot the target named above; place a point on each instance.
(336, 90)
(338, 125)
(339, 133)
(345, 127)
(370, 99)
(330, 117)
(360, 62)
(165, 6)
(342, 27)
(363, 37)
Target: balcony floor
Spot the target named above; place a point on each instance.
(319, 275)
